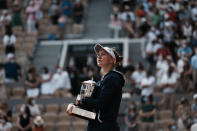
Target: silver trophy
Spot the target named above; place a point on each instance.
(87, 88)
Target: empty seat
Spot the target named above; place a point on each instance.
(63, 126)
(14, 117)
(52, 108)
(64, 117)
(50, 117)
(165, 114)
(49, 126)
(63, 107)
(165, 123)
(18, 92)
(41, 107)
(79, 125)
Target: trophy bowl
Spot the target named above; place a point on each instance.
(86, 90)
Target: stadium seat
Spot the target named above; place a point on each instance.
(50, 117)
(63, 126)
(79, 125)
(49, 126)
(165, 114)
(54, 108)
(64, 117)
(18, 92)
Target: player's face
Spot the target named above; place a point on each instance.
(104, 59)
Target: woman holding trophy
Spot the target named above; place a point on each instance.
(106, 97)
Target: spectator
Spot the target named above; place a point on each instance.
(4, 125)
(16, 18)
(132, 118)
(156, 17)
(45, 79)
(24, 120)
(9, 41)
(129, 84)
(147, 113)
(147, 86)
(61, 23)
(194, 67)
(184, 49)
(128, 27)
(127, 13)
(115, 25)
(2, 82)
(185, 82)
(34, 109)
(194, 108)
(6, 18)
(184, 119)
(78, 12)
(144, 27)
(38, 124)
(137, 76)
(66, 7)
(54, 13)
(61, 80)
(168, 84)
(32, 82)
(13, 70)
(31, 17)
(6, 112)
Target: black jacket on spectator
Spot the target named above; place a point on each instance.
(12, 70)
(105, 102)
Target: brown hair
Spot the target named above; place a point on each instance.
(118, 57)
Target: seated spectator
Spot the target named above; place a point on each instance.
(127, 13)
(61, 80)
(132, 119)
(32, 82)
(9, 40)
(45, 79)
(31, 17)
(2, 82)
(16, 18)
(38, 124)
(194, 108)
(147, 86)
(194, 67)
(24, 120)
(78, 12)
(66, 7)
(34, 109)
(13, 70)
(128, 27)
(147, 113)
(144, 27)
(184, 119)
(184, 49)
(168, 84)
(137, 76)
(6, 18)
(156, 17)
(4, 125)
(5, 111)
(115, 26)
(61, 23)
(185, 82)
(129, 84)
(54, 13)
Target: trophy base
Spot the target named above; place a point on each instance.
(84, 114)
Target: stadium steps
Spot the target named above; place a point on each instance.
(47, 56)
(98, 16)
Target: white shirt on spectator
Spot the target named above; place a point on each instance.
(148, 81)
(5, 127)
(124, 16)
(169, 80)
(194, 13)
(34, 109)
(46, 87)
(4, 18)
(9, 40)
(137, 76)
(61, 80)
(180, 65)
(162, 67)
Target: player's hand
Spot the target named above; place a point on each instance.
(69, 109)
